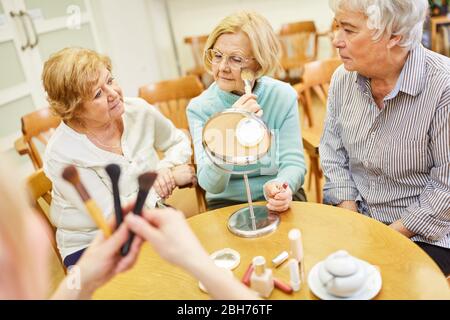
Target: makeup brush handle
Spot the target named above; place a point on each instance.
(117, 206)
(126, 247)
(140, 201)
(97, 216)
(248, 86)
(141, 197)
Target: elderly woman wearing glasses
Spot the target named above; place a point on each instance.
(385, 150)
(246, 40)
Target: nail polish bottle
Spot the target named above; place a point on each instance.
(262, 279)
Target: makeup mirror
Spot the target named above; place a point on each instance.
(232, 140)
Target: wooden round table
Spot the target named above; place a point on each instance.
(407, 271)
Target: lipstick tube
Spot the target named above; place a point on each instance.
(295, 240)
(279, 259)
(294, 272)
(246, 278)
(282, 286)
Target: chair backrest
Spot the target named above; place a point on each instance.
(299, 42)
(319, 73)
(172, 97)
(316, 76)
(197, 44)
(39, 190)
(38, 125)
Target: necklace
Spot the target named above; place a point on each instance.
(90, 134)
(118, 147)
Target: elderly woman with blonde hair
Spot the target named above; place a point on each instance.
(246, 40)
(99, 126)
(385, 150)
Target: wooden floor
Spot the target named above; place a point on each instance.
(184, 199)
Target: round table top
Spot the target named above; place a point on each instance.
(407, 272)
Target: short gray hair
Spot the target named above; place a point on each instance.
(393, 17)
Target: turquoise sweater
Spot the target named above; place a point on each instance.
(284, 163)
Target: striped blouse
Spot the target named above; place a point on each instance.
(394, 162)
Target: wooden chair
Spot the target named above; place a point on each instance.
(299, 42)
(197, 44)
(39, 190)
(171, 97)
(36, 125)
(329, 34)
(317, 75)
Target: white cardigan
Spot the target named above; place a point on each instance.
(145, 129)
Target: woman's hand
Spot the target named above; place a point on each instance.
(164, 183)
(170, 235)
(349, 205)
(248, 103)
(400, 227)
(184, 175)
(279, 198)
(101, 262)
(172, 238)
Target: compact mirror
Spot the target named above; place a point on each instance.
(226, 258)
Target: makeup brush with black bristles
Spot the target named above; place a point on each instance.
(113, 171)
(70, 174)
(145, 181)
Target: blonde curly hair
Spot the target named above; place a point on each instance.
(69, 77)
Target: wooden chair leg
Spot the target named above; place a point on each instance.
(320, 94)
(317, 174)
(310, 175)
(307, 107)
(201, 200)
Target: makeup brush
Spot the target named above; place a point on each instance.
(145, 181)
(248, 76)
(113, 171)
(70, 174)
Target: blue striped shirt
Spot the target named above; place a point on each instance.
(395, 162)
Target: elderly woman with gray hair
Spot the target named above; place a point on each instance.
(385, 150)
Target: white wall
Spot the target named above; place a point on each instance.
(196, 17)
(126, 34)
(136, 33)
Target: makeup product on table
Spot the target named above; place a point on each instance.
(145, 181)
(246, 278)
(294, 272)
(280, 285)
(113, 171)
(226, 258)
(296, 245)
(71, 175)
(278, 260)
(261, 279)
